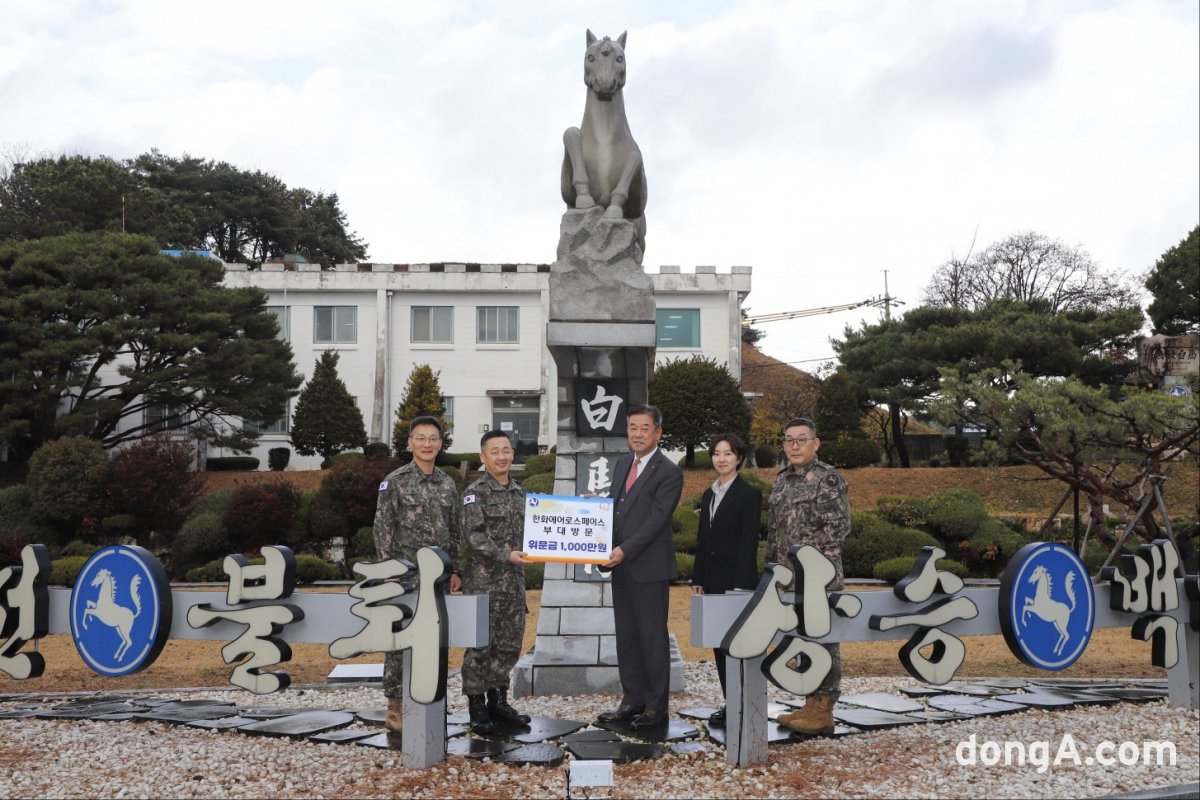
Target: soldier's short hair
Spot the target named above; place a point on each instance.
(801, 422)
(649, 410)
(735, 443)
(492, 434)
(425, 420)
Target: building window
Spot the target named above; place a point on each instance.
(275, 426)
(282, 316)
(433, 324)
(498, 324)
(678, 327)
(335, 324)
(165, 417)
(449, 409)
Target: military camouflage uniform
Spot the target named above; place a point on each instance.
(808, 506)
(414, 510)
(493, 522)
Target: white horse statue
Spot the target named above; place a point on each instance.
(1049, 609)
(602, 163)
(105, 608)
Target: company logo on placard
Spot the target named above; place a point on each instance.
(120, 610)
(1047, 606)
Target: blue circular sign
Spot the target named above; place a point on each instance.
(120, 610)
(1047, 606)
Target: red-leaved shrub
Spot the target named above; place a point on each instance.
(152, 481)
(261, 514)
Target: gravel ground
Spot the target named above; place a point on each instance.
(42, 758)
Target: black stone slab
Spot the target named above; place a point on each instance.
(186, 714)
(838, 731)
(937, 716)
(775, 709)
(870, 719)
(541, 729)
(1132, 695)
(920, 691)
(882, 701)
(16, 713)
(969, 689)
(342, 736)
(620, 752)
(117, 717)
(1037, 699)
(222, 724)
(1003, 683)
(192, 704)
(270, 712)
(776, 733)
(689, 748)
(88, 710)
(1086, 684)
(972, 706)
(299, 726)
(537, 755)
(1080, 698)
(469, 747)
(699, 712)
(672, 730)
(590, 736)
(372, 716)
(382, 741)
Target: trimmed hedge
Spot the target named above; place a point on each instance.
(535, 575)
(894, 569)
(765, 456)
(63, 571)
(686, 564)
(955, 514)
(310, 568)
(536, 465)
(231, 464)
(542, 483)
(873, 540)
(278, 458)
(202, 538)
(851, 453)
(78, 547)
(703, 460)
(908, 512)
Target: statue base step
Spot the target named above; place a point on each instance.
(529, 678)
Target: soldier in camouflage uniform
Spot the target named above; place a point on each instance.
(417, 507)
(808, 506)
(493, 522)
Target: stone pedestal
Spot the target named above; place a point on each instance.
(602, 336)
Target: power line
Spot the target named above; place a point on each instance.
(783, 363)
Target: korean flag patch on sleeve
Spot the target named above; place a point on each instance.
(383, 486)
(468, 499)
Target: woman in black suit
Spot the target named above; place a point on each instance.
(727, 544)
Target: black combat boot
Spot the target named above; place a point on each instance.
(498, 707)
(481, 721)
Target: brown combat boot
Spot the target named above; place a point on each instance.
(395, 714)
(814, 719)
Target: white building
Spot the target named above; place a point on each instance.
(482, 327)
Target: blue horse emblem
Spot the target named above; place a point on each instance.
(1047, 606)
(120, 610)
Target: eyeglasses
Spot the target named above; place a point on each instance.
(426, 439)
(799, 441)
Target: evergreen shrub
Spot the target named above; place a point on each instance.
(894, 569)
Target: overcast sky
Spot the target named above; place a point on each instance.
(818, 142)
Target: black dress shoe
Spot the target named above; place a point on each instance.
(622, 713)
(718, 717)
(650, 719)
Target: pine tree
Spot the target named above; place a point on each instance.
(327, 420)
(422, 397)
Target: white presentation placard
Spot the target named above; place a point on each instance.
(574, 530)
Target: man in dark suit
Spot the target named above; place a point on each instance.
(646, 489)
